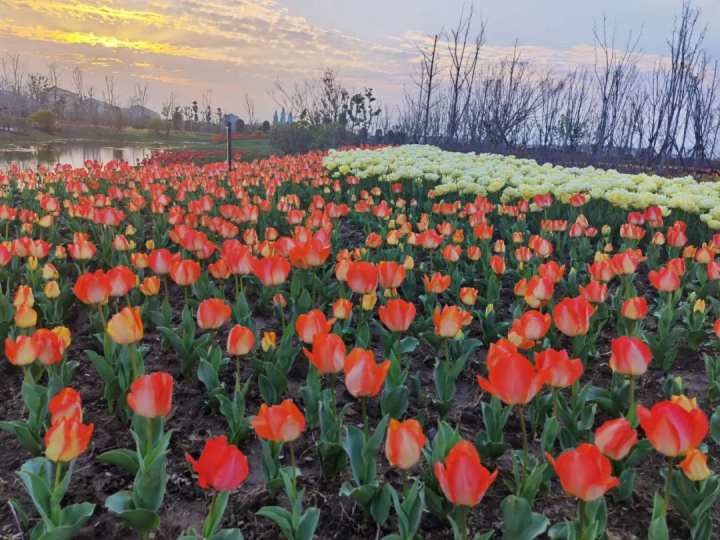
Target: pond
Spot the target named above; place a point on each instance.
(74, 154)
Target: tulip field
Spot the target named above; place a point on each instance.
(380, 342)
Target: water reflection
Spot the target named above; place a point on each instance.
(73, 154)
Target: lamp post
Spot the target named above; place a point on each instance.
(228, 134)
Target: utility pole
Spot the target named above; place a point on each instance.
(228, 134)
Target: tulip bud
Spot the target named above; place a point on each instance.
(269, 341)
(695, 466)
(368, 301)
(51, 290)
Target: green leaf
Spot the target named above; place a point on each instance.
(520, 522)
(308, 524)
(123, 458)
(715, 425)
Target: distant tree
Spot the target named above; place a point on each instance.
(240, 125)
(266, 126)
(44, 120)
(195, 110)
(275, 118)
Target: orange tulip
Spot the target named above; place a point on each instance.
(497, 264)
(694, 466)
(67, 439)
(25, 317)
(126, 326)
(221, 466)
(185, 272)
(362, 277)
(279, 423)
(342, 309)
(24, 296)
(538, 291)
(716, 328)
(311, 323)
(450, 321)
(615, 438)
(213, 313)
(513, 379)
(562, 371)
(150, 286)
(240, 340)
(671, 429)
(462, 477)
(310, 254)
(151, 395)
(437, 283)
(65, 405)
(630, 356)
(584, 472)
(404, 443)
(20, 351)
(397, 315)
(391, 274)
(468, 295)
(271, 271)
(328, 353)
(572, 316)
(363, 377)
(92, 288)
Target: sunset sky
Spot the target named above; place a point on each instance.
(238, 46)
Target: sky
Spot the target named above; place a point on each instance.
(228, 48)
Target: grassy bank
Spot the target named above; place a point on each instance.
(74, 134)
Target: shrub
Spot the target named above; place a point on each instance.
(44, 120)
(296, 138)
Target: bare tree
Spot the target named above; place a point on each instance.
(464, 52)
(615, 74)
(140, 95)
(250, 109)
(704, 108)
(430, 67)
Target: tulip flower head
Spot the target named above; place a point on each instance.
(212, 314)
(150, 395)
(462, 477)
(513, 379)
(279, 423)
(584, 472)
(221, 466)
(363, 376)
(67, 439)
(404, 443)
(126, 326)
(615, 438)
(672, 429)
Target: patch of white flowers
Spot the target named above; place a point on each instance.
(482, 174)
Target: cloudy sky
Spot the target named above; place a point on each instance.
(226, 48)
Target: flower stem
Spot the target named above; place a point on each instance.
(668, 485)
(363, 406)
(525, 443)
(294, 469)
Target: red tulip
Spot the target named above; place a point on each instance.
(92, 288)
(49, 347)
(161, 261)
(362, 277)
(328, 353)
(279, 423)
(572, 316)
(561, 370)
(151, 395)
(437, 283)
(221, 466)
(397, 315)
(672, 429)
(584, 472)
(185, 272)
(240, 340)
(635, 308)
(311, 323)
(122, 280)
(363, 377)
(404, 443)
(462, 477)
(532, 325)
(664, 280)
(513, 379)
(213, 313)
(391, 274)
(20, 351)
(615, 438)
(630, 356)
(595, 291)
(271, 271)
